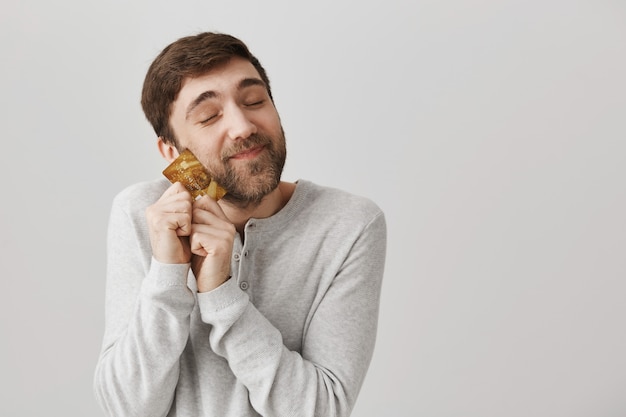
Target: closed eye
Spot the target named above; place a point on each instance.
(208, 119)
(255, 103)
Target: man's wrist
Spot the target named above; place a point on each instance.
(207, 285)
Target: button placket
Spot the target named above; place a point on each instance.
(243, 261)
(243, 284)
(235, 264)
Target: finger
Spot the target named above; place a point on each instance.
(202, 216)
(224, 231)
(175, 199)
(182, 224)
(212, 242)
(176, 188)
(207, 203)
(163, 220)
(171, 212)
(177, 204)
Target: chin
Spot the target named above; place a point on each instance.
(253, 192)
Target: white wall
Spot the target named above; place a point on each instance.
(492, 133)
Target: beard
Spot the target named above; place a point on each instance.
(248, 182)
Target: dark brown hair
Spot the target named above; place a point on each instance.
(190, 56)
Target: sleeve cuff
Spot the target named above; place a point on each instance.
(226, 302)
(168, 275)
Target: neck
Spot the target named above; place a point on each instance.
(270, 205)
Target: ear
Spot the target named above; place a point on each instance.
(167, 150)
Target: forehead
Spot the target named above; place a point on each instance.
(222, 79)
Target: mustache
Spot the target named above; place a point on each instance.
(247, 144)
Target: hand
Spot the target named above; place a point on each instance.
(211, 241)
(169, 225)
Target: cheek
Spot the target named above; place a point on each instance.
(271, 127)
(207, 155)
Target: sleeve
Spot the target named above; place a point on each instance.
(325, 379)
(147, 309)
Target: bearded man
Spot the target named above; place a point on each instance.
(264, 303)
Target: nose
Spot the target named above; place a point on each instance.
(239, 125)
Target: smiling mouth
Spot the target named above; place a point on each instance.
(248, 153)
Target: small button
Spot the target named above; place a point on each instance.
(236, 256)
(243, 285)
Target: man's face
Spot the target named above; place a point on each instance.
(227, 119)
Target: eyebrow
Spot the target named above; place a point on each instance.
(209, 94)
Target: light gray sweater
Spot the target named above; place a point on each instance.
(290, 334)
